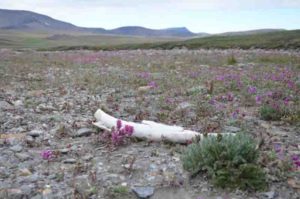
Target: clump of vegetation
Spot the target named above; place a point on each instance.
(120, 190)
(230, 161)
(231, 60)
(267, 112)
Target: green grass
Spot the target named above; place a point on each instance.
(36, 40)
(274, 40)
(75, 41)
(230, 161)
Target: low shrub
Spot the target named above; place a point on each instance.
(230, 161)
(231, 60)
(267, 112)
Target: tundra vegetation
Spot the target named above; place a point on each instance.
(49, 147)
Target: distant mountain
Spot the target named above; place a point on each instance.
(138, 31)
(250, 32)
(30, 21)
(26, 20)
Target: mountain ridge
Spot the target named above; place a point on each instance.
(30, 21)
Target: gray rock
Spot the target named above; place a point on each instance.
(18, 103)
(29, 139)
(87, 157)
(232, 129)
(270, 194)
(23, 156)
(3, 173)
(27, 189)
(15, 194)
(37, 197)
(184, 106)
(143, 192)
(16, 148)
(70, 161)
(84, 132)
(5, 106)
(82, 185)
(35, 133)
(64, 151)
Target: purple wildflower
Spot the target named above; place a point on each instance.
(296, 160)
(277, 147)
(290, 84)
(119, 124)
(220, 78)
(269, 94)
(286, 101)
(144, 75)
(212, 101)
(47, 154)
(235, 114)
(119, 135)
(152, 84)
(230, 96)
(252, 89)
(129, 129)
(258, 99)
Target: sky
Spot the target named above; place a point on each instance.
(212, 16)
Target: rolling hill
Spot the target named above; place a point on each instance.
(34, 22)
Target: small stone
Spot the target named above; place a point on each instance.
(144, 89)
(18, 103)
(82, 185)
(27, 189)
(5, 106)
(232, 129)
(87, 157)
(64, 151)
(23, 156)
(84, 132)
(270, 194)
(29, 139)
(16, 148)
(184, 106)
(15, 193)
(47, 193)
(35, 133)
(143, 192)
(70, 161)
(25, 172)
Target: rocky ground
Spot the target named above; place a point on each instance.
(48, 99)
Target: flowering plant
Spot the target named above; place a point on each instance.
(120, 133)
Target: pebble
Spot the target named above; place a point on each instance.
(16, 148)
(143, 192)
(25, 172)
(270, 194)
(35, 133)
(23, 156)
(84, 132)
(5, 106)
(232, 129)
(70, 161)
(64, 151)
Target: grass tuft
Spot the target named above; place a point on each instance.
(230, 161)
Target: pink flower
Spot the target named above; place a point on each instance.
(129, 129)
(258, 99)
(119, 124)
(230, 97)
(152, 84)
(47, 154)
(252, 89)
